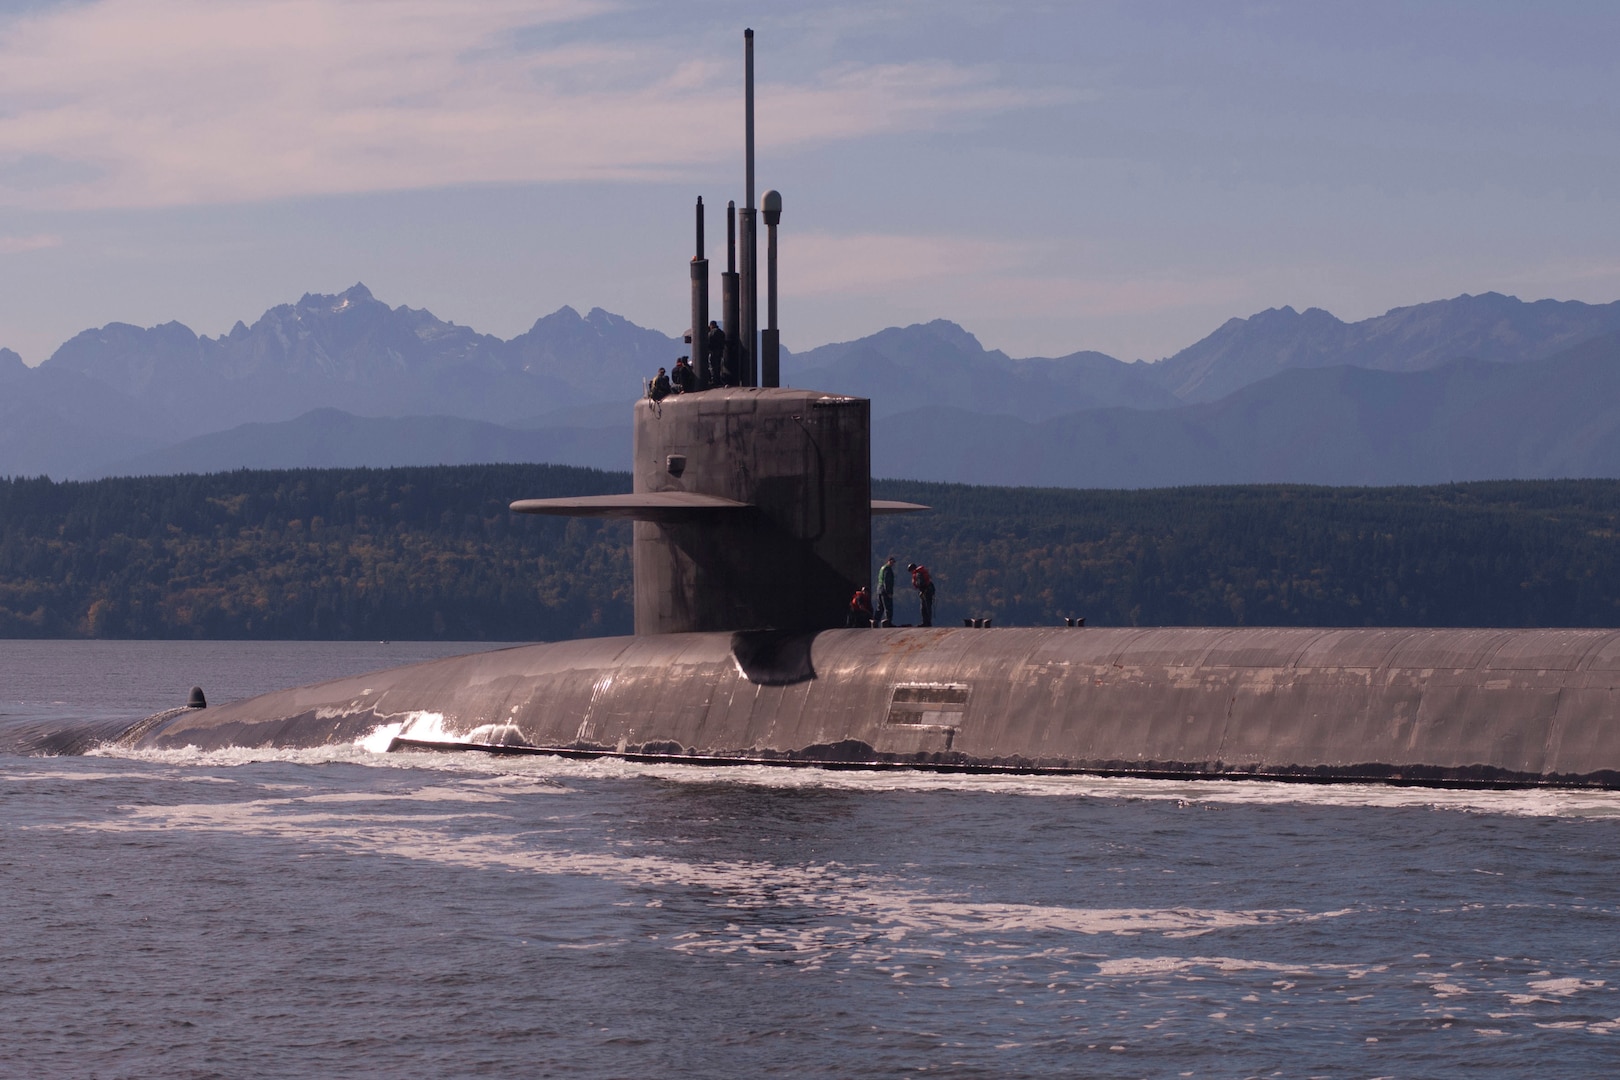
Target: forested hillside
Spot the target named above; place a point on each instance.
(434, 553)
(313, 553)
(1510, 553)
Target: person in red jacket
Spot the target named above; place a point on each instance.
(923, 582)
(860, 608)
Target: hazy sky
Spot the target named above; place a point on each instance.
(1120, 176)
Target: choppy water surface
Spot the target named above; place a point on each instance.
(345, 913)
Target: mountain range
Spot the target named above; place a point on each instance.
(1462, 420)
(1472, 387)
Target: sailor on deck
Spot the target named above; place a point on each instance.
(883, 615)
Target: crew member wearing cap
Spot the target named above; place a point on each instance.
(682, 378)
(923, 582)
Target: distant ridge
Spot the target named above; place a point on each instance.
(331, 438)
(124, 398)
(1465, 420)
(942, 365)
(1490, 326)
(353, 352)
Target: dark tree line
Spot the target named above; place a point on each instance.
(435, 553)
(315, 553)
(1511, 553)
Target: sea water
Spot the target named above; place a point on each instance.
(339, 912)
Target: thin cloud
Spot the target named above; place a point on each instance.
(14, 245)
(1095, 297)
(1007, 276)
(1588, 277)
(174, 102)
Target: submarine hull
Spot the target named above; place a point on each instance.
(1444, 707)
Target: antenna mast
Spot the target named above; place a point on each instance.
(748, 332)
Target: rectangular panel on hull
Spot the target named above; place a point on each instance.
(935, 704)
(923, 718)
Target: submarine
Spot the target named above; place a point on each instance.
(752, 513)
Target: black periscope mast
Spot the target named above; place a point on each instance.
(752, 508)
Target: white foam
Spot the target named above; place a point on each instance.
(430, 727)
(1565, 987)
(89, 776)
(1550, 990)
(1179, 965)
(495, 735)
(380, 738)
(427, 727)
(866, 914)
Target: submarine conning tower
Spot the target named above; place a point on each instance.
(795, 540)
(752, 507)
(752, 502)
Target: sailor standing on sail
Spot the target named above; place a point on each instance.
(719, 356)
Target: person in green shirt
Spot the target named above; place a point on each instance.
(883, 614)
